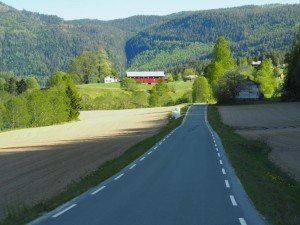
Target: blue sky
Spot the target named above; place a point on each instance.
(114, 9)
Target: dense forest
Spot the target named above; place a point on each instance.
(39, 45)
(250, 30)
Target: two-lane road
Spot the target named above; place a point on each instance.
(185, 179)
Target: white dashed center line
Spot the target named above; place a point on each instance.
(242, 221)
(142, 158)
(118, 177)
(100, 189)
(223, 171)
(149, 153)
(219, 155)
(221, 162)
(134, 165)
(233, 200)
(63, 211)
(227, 184)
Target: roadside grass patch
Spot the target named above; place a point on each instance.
(22, 214)
(275, 194)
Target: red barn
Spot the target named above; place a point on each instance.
(148, 77)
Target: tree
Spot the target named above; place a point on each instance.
(2, 113)
(229, 85)
(264, 76)
(159, 95)
(85, 65)
(103, 65)
(39, 108)
(292, 81)
(140, 99)
(189, 71)
(2, 84)
(21, 86)
(74, 101)
(32, 83)
(221, 61)
(17, 115)
(129, 84)
(201, 90)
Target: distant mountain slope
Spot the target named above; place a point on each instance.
(250, 30)
(32, 43)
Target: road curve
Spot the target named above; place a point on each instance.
(185, 179)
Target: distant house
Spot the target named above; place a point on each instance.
(256, 63)
(148, 77)
(190, 78)
(250, 90)
(111, 79)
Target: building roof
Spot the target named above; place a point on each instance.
(146, 74)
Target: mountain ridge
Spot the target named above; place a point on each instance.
(37, 44)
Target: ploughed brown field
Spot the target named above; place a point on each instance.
(37, 164)
(277, 124)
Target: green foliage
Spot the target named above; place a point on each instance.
(221, 61)
(229, 85)
(201, 90)
(32, 83)
(90, 67)
(2, 84)
(264, 75)
(129, 84)
(17, 115)
(292, 81)
(159, 95)
(167, 54)
(251, 30)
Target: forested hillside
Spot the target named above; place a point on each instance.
(36, 44)
(32, 43)
(251, 30)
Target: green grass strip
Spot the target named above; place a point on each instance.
(22, 214)
(275, 195)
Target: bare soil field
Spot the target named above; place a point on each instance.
(37, 164)
(277, 124)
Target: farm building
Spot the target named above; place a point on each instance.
(110, 79)
(250, 90)
(148, 77)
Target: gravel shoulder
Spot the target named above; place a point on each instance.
(38, 163)
(277, 124)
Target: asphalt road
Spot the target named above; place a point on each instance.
(185, 179)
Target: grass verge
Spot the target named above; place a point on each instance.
(21, 214)
(274, 194)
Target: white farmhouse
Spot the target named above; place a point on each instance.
(110, 79)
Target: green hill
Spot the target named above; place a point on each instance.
(36, 44)
(251, 30)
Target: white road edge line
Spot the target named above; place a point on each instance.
(233, 200)
(223, 171)
(134, 165)
(242, 221)
(227, 184)
(118, 177)
(100, 189)
(142, 158)
(63, 211)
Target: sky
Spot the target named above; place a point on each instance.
(116, 9)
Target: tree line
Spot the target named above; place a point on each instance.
(23, 104)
